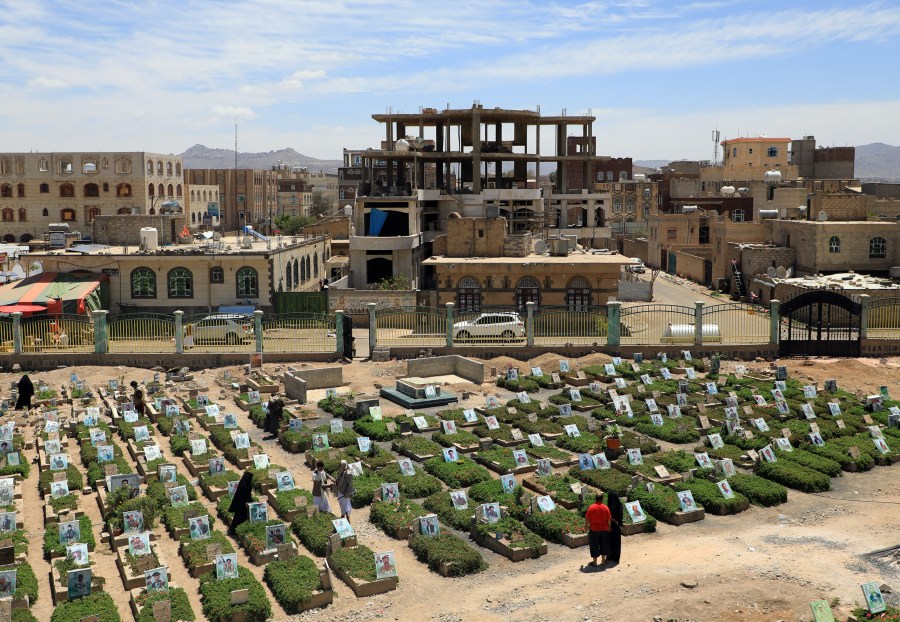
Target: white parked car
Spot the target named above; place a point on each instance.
(636, 266)
(232, 328)
(507, 326)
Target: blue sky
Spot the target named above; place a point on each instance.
(659, 75)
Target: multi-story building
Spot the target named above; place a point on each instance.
(202, 207)
(472, 162)
(37, 189)
(294, 196)
(246, 196)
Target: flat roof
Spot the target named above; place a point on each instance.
(757, 139)
(230, 246)
(571, 258)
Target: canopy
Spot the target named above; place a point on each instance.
(23, 309)
(59, 292)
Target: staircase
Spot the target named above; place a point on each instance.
(740, 286)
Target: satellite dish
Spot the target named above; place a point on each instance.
(788, 273)
(540, 247)
(770, 271)
(823, 216)
(780, 272)
(246, 242)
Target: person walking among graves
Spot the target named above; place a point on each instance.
(344, 489)
(273, 416)
(598, 519)
(137, 399)
(320, 479)
(243, 494)
(617, 513)
(26, 392)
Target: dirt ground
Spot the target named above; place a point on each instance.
(763, 564)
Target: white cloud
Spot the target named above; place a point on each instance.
(43, 82)
(233, 111)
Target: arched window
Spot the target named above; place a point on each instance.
(93, 213)
(162, 190)
(296, 272)
(178, 191)
(123, 210)
(610, 176)
(178, 168)
(123, 190)
(8, 215)
(216, 275)
(288, 277)
(105, 186)
(247, 283)
(877, 248)
(181, 283)
(149, 167)
(143, 283)
(192, 194)
(67, 190)
(308, 271)
(9, 238)
(159, 168)
(316, 265)
(834, 244)
(45, 212)
(193, 218)
(629, 204)
(527, 290)
(91, 190)
(67, 215)
(468, 294)
(578, 294)
(737, 215)
(25, 238)
(45, 188)
(6, 191)
(20, 191)
(171, 189)
(169, 169)
(302, 271)
(617, 204)
(23, 214)
(151, 190)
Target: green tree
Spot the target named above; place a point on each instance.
(322, 204)
(401, 281)
(291, 225)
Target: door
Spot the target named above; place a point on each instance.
(671, 268)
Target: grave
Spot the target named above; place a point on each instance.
(412, 392)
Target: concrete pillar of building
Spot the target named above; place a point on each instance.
(101, 332)
(449, 324)
(864, 300)
(179, 332)
(698, 323)
(774, 321)
(529, 324)
(339, 333)
(613, 323)
(17, 332)
(373, 336)
(258, 329)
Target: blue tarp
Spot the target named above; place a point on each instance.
(377, 218)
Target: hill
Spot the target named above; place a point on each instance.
(201, 156)
(878, 161)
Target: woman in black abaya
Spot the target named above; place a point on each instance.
(242, 496)
(26, 392)
(615, 527)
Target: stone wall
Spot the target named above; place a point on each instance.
(475, 237)
(338, 227)
(444, 365)
(124, 229)
(842, 207)
(355, 301)
(320, 378)
(294, 387)
(689, 266)
(635, 247)
(758, 259)
(517, 245)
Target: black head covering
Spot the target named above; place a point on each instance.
(615, 507)
(243, 494)
(25, 386)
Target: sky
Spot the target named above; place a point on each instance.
(659, 75)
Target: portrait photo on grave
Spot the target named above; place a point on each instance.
(460, 499)
(78, 582)
(260, 461)
(226, 566)
(508, 483)
(157, 580)
(199, 527)
(489, 512)
(385, 566)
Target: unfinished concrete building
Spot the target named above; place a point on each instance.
(475, 162)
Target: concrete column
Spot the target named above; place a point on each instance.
(613, 323)
(101, 332)
(373, 341)
(864, 300)
(449, 324)
(258, 330)
(698, 323)
(339, 333)
(529, 324)
(17, 332)
(179, 332)
(774, 321)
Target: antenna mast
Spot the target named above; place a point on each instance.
(235, 142)
(715, 139)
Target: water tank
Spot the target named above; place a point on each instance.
(688, 209)
(772, 177)
(684, 333)
(149, 238)
(348, 210)
(639, 177)
(728, 191)
(401, 145)
(768, 214)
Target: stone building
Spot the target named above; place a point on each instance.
(37, 189)
(202, 207)
(200, 277)
(246, 196)
(477, 264)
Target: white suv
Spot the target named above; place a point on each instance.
(232, 328)
(505, 326)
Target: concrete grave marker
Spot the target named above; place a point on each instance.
(704, 422)
(840, 423)
(110, 469)
(59, 476)
(212, 550)
(748, 410)
(661, 470)
(868, 420)
(239, 597)
(785, 432)
(6, 610)
(753, 455)
(286, 551)
(162, 611)
(854, 452)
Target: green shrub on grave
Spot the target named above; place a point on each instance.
(390, 516)
(126, 428)
(680, 430)
(462, 438)
(821, 464)
(216, 597)
(759, 490)
(662, 503)
(528, 384)
(293, 582)
(560, 486)
(631, 440)
(549, 452)
(460, 474)
(541, 426)
(219, 480)
(287, 500)
(194, 551)
(416, 486)
(23, 615)
(609, 480)
(431, 421)
(73, 477)
(447, 549)
(491, 491)
(314, 531)
(173, 518)
(794, 476)
(502, 433)
(376, 430)
(358, 562)
(121, 501)
(157, 491)
(26, 582)
(556, 524)
(366, 485)
(98, 604)
(517, 535)
(678, 461)
(335, 406)
(585, 443)
(180, 605)
(252, 536)
(707, 494)
(440, 503)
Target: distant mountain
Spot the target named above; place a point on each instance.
(878, 161)
(651, 164)
(200, 156)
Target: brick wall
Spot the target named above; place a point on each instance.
(689, 266)
(125, 229)
(337, 227)
(757, 260)
(842, 207)
(475, 237)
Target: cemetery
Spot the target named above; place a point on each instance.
(452, 478)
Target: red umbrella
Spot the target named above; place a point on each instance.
(22, 308)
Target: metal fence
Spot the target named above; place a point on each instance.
(142, 332)
(656, 323)
(219, 333)
(299, 332)
(562, 325)
(411, 326)
(6, 334)
(883, 319)
(736, 323)
(58, 333)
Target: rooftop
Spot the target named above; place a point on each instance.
(756, 139)
(571, 258)
(840, 281)
(226, 246)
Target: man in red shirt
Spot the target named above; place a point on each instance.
(598, 518)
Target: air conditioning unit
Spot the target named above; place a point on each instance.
(559, 247)
(492, 211)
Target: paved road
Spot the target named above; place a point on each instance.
(666, 290)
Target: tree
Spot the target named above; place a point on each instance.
(399, 282)
(322, 204)
(291, 225)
